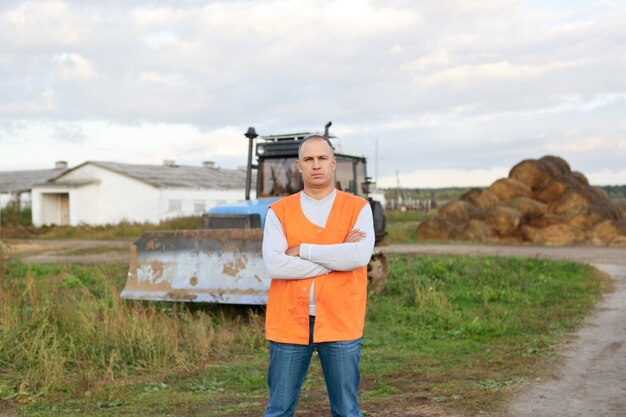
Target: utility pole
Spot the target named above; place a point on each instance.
(376, 160)
(398, 193)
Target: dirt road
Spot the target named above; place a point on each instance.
(74, 251)
(590, 382)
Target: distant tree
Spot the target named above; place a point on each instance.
(615, 192)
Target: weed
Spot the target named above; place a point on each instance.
(460, 330)
(206, 385)
(12, 215)
(66, 330)
(402, 225)
(110, 231)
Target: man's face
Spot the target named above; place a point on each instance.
(317, 164)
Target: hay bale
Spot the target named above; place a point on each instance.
(618, 242)
(529, 208)
(557, 166)
(543, 201)
(481, 198)
(551, 192)
(477, 231)
(554, 235)
(510, 240)
(594, 214)
(504, 220)
(580, 177)
(598, 194)
(571, 203)
(531, 172)
(606, 232)
(586, 219)
(435, 229)
(471, 195)
(507, 188)
(458, 211)
(546, 220)
(528, 232)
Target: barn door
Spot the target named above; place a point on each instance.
(64, 207)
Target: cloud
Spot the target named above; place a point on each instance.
(35, 26)
(8, 129)
(488, 72)
(69, 133)
(41, 102)
(608, 177)
(435, 178)
(171, 80)
(442, 85)
(73, 66)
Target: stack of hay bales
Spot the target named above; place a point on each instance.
(542, 202)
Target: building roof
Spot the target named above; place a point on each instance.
(176, 176)
(21, 181)
(67, 184)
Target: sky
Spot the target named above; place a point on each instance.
(433, 93)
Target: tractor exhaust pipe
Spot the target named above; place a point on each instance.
(326, 128)
(251, 135)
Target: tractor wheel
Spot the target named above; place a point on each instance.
(377, 272)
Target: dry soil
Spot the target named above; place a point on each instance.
(590, 381)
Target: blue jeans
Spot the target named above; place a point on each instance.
(288, 367)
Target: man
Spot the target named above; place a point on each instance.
(316, 247)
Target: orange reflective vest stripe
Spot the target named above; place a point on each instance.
(340, 296)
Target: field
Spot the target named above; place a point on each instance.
(458, 333)
(18, 225)
(401, 225)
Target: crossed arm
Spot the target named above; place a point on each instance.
(310, 260)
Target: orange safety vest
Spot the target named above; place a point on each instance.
(340, 296)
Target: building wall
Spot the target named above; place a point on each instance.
(116, 198)
(85, 205)
(49, 205)
(185, 202)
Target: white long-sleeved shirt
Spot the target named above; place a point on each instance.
(315, 260)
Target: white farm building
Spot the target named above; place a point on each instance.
(16, 186)
(98, 193)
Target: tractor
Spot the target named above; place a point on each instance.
(222, 263)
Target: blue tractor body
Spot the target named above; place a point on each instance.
(246, 208)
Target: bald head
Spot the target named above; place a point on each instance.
(316, 137)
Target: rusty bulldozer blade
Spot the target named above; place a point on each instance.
(216, 266)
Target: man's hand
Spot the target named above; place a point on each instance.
(295, 251)
(354, 236)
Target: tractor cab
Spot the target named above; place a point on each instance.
(277, 174)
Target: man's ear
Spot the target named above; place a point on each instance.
(298, 166)
(334, 163)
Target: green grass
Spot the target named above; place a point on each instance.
(112, 231)
(459, 331)
(402, 225)
(469, 328)
(11, 215)
(94, 251)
